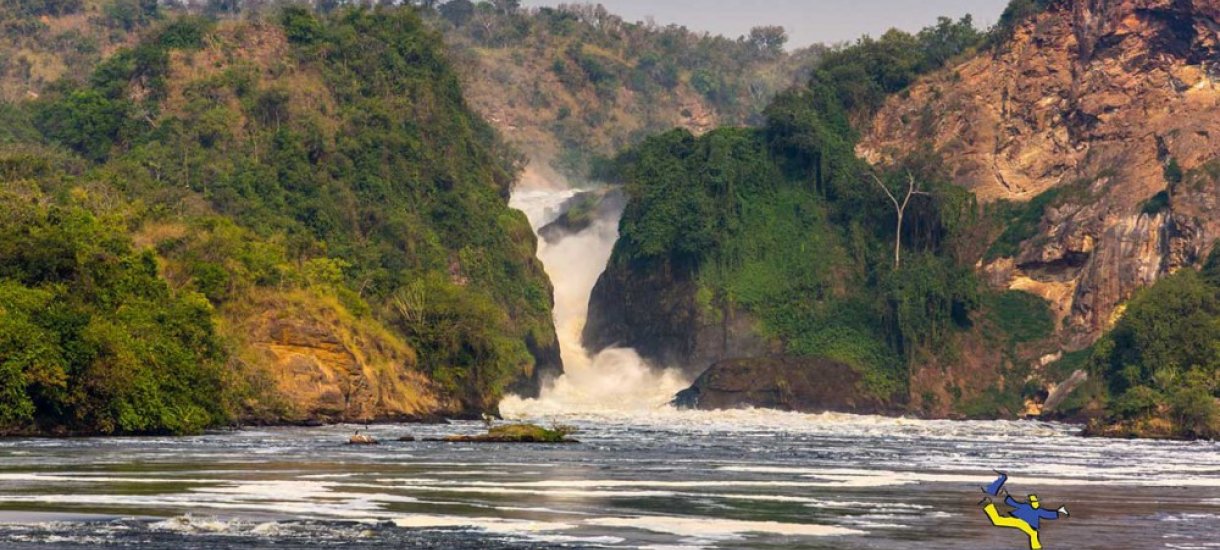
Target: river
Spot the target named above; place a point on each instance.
(669, 479)
(644, 475)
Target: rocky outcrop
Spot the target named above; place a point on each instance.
(1106, 100)
(580, 211)
(323, 365)
(1062, 391)
(801, 384)
(655, 310)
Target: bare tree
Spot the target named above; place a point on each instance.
(900, 210)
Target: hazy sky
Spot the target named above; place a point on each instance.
(807, 21)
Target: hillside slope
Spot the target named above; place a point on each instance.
(308, 199)
(1059, 164)
(566, 85)
(1101, 118)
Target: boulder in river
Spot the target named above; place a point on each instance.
(802, 384)
(518, 433)
(361, 439)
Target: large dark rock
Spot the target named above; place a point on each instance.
(584, 208)
(548, 365)
(802, 384)
(653, 309)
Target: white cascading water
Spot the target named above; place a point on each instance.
(614, 380)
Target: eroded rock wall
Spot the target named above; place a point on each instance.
(1099, 96)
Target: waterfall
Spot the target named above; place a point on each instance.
(615, 380)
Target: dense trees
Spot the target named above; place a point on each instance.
(1163, 356)
(91, 338)
(787, 223)
(863, 74)
(346, 170)
(783, 222)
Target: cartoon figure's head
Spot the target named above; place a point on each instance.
(1033, 501)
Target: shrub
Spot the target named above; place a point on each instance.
(1024, 317)
(1157, 204)
(300, 25)
(1173, 172)
(1194, 409)
(1137, 402)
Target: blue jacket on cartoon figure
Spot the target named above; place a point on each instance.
(1027, 513)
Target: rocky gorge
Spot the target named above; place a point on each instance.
(1089, 130)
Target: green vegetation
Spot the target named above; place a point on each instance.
(1021, 221)
(993, 403)
(45, 40)
(519, 433)
(1157, 204)
(1024, 317)
(219, 164)
(1016, 13)
(1162, 360)
(863, 75)
(90, 337)
(785, 222)
(1173, 172)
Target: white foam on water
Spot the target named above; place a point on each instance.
(758, 498)
(305, 509)
(191, 524)
(614, 380)
(710, 528)
(491, 525)
(1192, 518)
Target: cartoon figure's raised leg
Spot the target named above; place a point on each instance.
(1013, 523)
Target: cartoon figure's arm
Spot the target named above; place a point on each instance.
(1011, 501)
(1051, 514)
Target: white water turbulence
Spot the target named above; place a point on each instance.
(614, 381)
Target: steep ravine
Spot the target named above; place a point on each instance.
(607, 379)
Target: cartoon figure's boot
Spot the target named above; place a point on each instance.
(994, 488)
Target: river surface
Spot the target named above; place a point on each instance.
(664, 479)
(644, 475)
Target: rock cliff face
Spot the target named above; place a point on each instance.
(326, 366)
(580, 211)
(801, 384)
(1114, 103)
(657, 312)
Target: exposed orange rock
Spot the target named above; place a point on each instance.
(326, 365)
(1100, 95)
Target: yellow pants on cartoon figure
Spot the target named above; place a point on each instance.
(1013, 523)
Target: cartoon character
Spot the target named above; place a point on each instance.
(1026, 516)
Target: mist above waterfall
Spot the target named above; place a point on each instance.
(614, 380)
